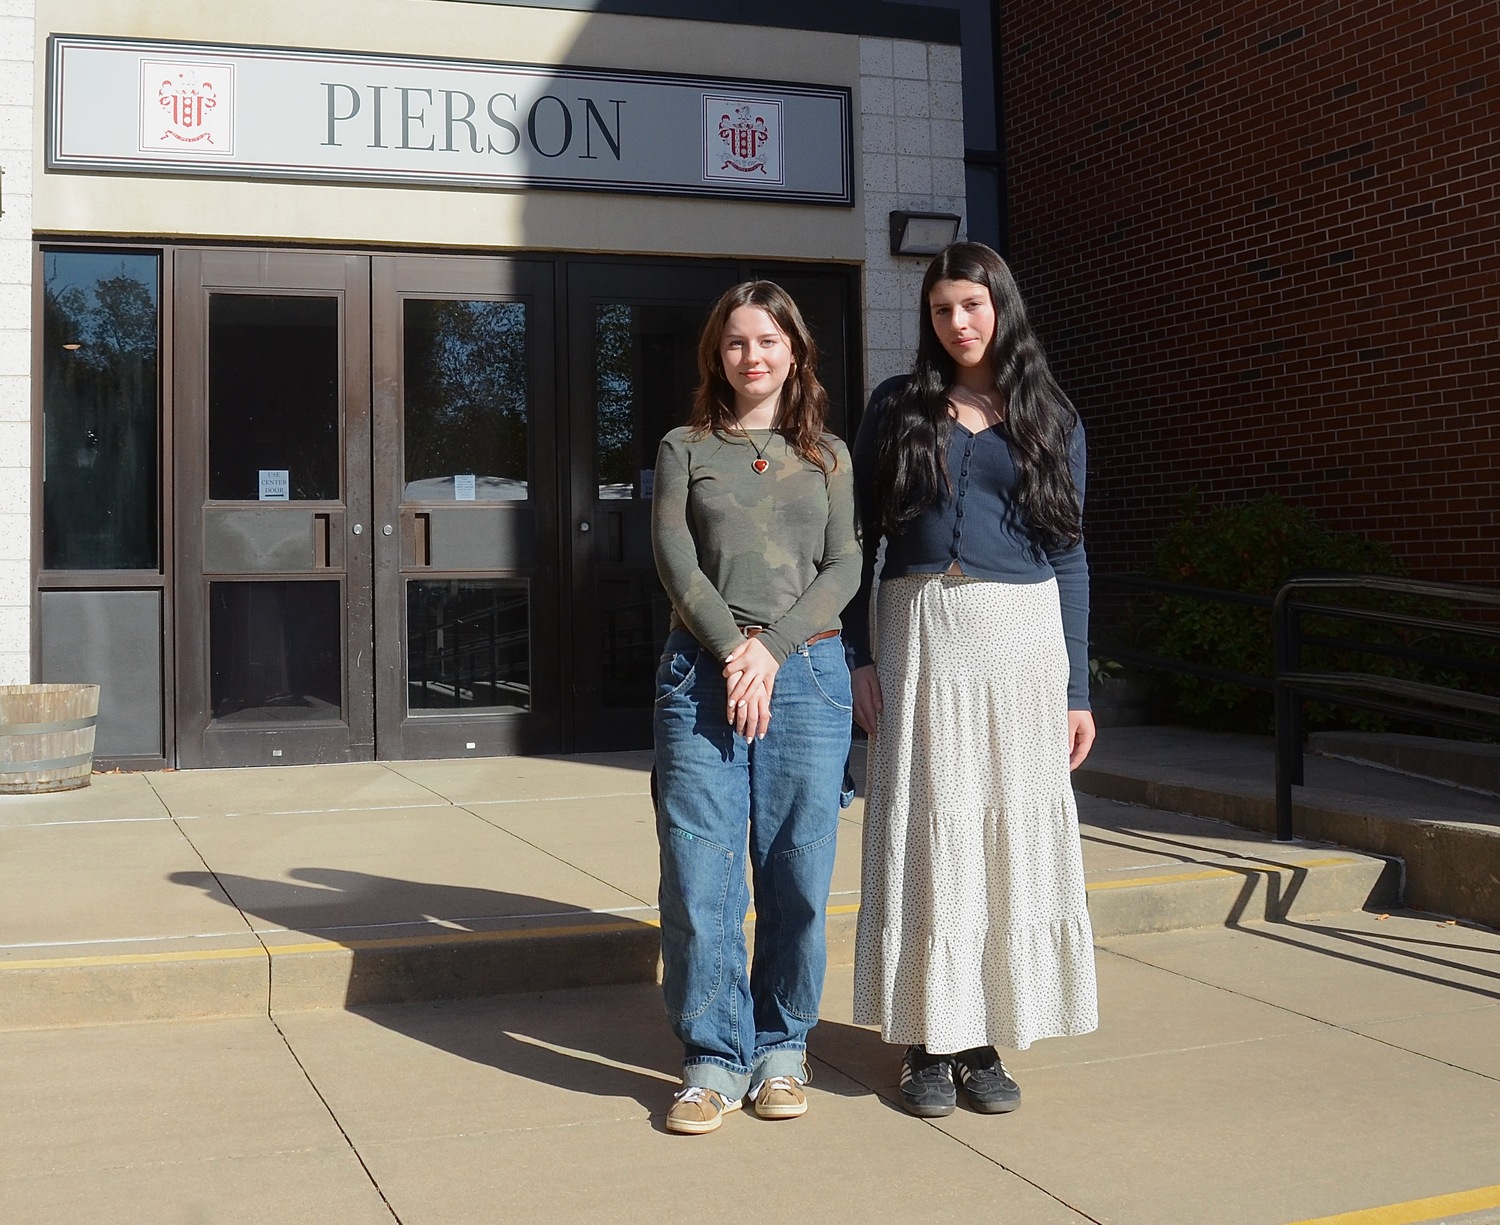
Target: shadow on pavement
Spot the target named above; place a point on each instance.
(427, 964)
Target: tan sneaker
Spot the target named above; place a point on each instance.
(696, 1110)
(780, 1097)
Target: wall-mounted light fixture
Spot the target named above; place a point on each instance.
(922, 233)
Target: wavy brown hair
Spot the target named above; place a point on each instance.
(803, 406)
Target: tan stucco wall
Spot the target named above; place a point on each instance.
(152, 206)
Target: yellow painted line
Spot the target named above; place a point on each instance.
(117, 959)
(1415, 1211)
(1217, 873)
(547, 933)
(414, 942)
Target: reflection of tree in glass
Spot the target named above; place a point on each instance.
(614, 351)
(99, 388)
(466, 389)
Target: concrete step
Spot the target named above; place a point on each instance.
(1315, 880)
(1461, 763)
(1447, 838)
(1147, 871)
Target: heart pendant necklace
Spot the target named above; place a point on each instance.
(760, 463)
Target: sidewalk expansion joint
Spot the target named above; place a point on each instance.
(550, 855)
(334, 1118)
(1014, 1173)
(935, 1125)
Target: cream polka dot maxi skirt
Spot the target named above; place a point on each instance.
(973, 928)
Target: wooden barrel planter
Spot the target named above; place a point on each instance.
(46, 737)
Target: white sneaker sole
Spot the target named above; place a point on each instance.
(794, 1111)
(688, 1127)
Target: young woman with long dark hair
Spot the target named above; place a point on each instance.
(973, 931)
(753, 525)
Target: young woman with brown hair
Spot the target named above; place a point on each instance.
(753, 526)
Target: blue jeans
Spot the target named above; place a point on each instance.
(717, 796)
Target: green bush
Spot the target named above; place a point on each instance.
(1255, 547)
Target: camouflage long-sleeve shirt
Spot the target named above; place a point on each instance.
(738, 547)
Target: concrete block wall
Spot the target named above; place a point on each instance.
(1259, 241)
(17, 82)
(911, 138)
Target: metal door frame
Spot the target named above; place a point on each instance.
(200, 272)
(394, 279)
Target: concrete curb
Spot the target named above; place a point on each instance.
(289, 971)
(1457, 762)
(1450, 868)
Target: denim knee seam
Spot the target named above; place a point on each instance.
(712, 993)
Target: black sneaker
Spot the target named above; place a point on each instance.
(986, 1082)
(927, 1089)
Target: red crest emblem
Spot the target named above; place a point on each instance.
(743, 135)
(187, 101)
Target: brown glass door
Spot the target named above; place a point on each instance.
(467, 586)
(414, 506)
(272, 503)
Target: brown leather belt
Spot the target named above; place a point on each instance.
(751, 631)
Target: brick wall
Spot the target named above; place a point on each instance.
(17, 74)
(1260, 239)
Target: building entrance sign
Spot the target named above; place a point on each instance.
(259, 112)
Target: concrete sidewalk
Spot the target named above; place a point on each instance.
(234, 892)
(1337, 1065)
(1343, 1071)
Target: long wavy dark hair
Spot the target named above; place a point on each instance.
(803, 408)
(1039, 419)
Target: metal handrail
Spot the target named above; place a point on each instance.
(1291, 683)
(1288, 683)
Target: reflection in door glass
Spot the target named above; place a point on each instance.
(468, 645)
(99, 410)
(464, 401)
(275, 651)
(273, 398)
(646, 366)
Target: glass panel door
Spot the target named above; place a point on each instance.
(465, 488)
(273, 480)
